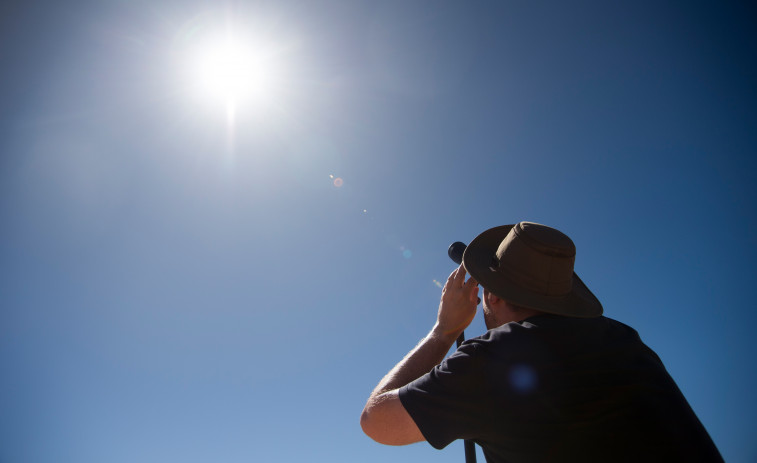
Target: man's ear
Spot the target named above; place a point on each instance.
(491, 298)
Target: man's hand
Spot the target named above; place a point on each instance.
(458, 305)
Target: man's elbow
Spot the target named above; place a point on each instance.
(373, 425)
(368, 423)
(385, 420)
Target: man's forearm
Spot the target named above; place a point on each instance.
(425, 356)
(384, 417)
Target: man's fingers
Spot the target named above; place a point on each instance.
(471, 286)
(457, 279)
(460, 275)
(471, 283)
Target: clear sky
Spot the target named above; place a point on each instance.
(202, 264)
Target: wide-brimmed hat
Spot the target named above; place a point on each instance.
(531, 265)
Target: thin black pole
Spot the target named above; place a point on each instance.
(455, 252)
(470, 446)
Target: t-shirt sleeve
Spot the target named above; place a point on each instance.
(447, 402)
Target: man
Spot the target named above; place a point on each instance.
(552, 379)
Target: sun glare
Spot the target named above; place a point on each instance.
(232, 71)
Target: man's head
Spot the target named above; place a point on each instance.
(498, 311)
(528, 266)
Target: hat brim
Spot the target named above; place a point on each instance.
(477, 259)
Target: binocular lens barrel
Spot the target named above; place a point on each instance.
(456, 251)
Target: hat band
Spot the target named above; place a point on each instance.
(531, 283)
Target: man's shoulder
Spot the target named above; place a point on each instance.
(553, 330)
(555, 324)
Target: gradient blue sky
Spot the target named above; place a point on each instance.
(178, 285)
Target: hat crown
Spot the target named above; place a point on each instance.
(531, 265)
(537, 257)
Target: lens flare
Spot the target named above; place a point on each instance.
(523, 378)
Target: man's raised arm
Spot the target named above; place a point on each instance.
(384, 418)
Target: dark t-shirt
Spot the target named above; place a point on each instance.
(554, 388)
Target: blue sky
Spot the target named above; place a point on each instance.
(181, 278)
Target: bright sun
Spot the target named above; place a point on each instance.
(233, 71)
